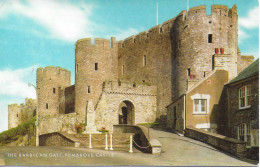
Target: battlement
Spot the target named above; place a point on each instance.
(129, 88)
(166, 26)
(51, 72)
(86, 42)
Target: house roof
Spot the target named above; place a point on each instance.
(250, 71)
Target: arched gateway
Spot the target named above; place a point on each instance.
(126, 113)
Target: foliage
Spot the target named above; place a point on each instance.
(18, 132)
(103, 130)
(148, 124)
(80, 128)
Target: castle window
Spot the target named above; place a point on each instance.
(53, 90)
(244, 94)
(47, 106)
(134, 40)
(88, 89)
(17, 115)
(209, 38)
(160, 29)
(77, 67)
(204, 74)
(123, 69)
(210, 22)
(96, 66)
(188, 71)
(144, 60)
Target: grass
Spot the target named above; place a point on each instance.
(17, 133)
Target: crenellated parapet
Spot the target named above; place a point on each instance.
(19, 113)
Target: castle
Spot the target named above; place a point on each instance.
(133, 81)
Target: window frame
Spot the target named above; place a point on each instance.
(244, 130)
(200, 97)
(244, 93)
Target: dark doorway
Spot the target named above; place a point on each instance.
(126, 113)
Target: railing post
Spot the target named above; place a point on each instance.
(131, 144)
(106, 148)
(90, 144)
(111, 143)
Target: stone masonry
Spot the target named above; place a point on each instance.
(133, 80)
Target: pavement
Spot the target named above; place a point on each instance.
(176, 151)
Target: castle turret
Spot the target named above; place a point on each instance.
(94, 64)
(50, 80)
(197, 38)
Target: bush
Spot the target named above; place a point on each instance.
(15, 133)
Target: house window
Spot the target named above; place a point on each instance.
(200, 103)
(47, 106)
(244, 133)
(123, 69)
(88, 89)
(244, 94)
(96, 66)
(53, 90)
(209, 38)
(200, 106)
(144, 61)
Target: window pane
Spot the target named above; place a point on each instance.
(203, 105)
(242, 102)
(196, 104)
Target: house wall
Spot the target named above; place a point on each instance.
(212, 86)
(177, 124)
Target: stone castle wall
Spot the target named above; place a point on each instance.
(162, 55)
(142, 99)
(50, 82)
(94, 64)
(17, 114)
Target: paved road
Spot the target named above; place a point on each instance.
(177, 151)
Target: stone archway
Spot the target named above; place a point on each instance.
(126, 113)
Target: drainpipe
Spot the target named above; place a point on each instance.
(184, 111)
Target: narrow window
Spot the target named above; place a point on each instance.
(53, 90)
(88, 89)
(160, 29)
(244, 133)
(77, 67)
(134, 40)
(144, 61)
(17, 115)
(188, 71)
(244, 94)
(204, 74)
(96, 66)
(209, 38)
(123, 69)
(47, 106)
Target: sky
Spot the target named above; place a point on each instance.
(39, 33)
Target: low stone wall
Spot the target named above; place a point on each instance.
(60, 123)
(229, 145)
(142, 139)
(56, 139)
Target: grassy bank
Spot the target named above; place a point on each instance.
(18, 133)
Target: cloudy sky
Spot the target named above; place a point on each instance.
(39, 33)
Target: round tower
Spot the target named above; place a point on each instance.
(50, 80)
(93, 65)
(198, 39)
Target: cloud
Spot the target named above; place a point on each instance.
(242, 35)
(14, 83)
(63, 20)
(252, 20)
(122, 34)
